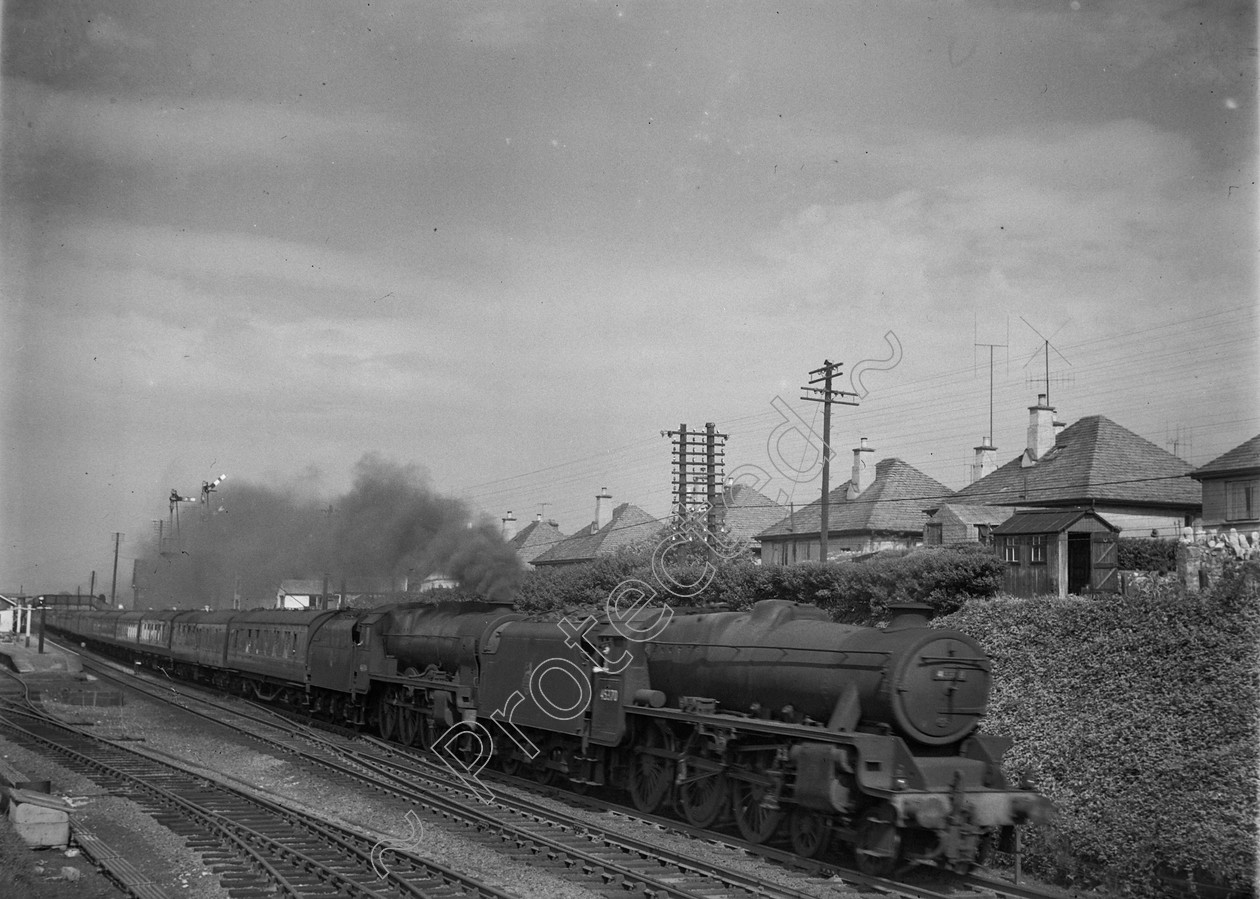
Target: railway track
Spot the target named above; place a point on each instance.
(523, 828)
(256, 847)
(540, 834)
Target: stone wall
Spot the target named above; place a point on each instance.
(1203, 554)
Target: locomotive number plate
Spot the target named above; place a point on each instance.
(949, 674)
(609, 695)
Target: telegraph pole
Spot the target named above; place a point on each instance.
(828, 397)
(698, 459)
(113, 586)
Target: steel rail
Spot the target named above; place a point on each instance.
(249, 841)
(449, 803)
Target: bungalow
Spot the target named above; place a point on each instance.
(613, 528)
(743, 513)
(533, 540)
(1231, 488)
(963, 523)
(1097, 464)
(869, 513)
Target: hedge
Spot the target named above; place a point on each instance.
(1138, 716)
(854, 591)
(1146, 554)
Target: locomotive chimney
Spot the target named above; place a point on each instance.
(860, 478)
(509, 525)
(1040, 430)
(603, 510)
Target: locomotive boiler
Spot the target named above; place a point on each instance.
(791, 661)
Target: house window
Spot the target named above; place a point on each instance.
(1010, 549)
(1240, 500)
(1038, 555)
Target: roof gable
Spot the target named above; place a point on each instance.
(894, 501)
(536, 538)
(746, 512)
(1047, 521)
(629, 526)
(970, 513)
(1244, 457)
(1094, 460)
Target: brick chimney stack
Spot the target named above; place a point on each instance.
(1040, 431)
(603, 510)
(986, 460)
(509, 525)
(862, 473)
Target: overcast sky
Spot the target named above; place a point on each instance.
(512, 242)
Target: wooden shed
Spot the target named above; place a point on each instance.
(1058, 551)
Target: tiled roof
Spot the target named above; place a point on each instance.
(535, 539)
(970, 513)
(1094, 460)
(746, 513)
(629, 526)
(894, 502)
(1243, 457)
(1046, 522)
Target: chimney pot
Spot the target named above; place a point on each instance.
(860, 478)
(986, 460)
(1040, 431)
(603, 510)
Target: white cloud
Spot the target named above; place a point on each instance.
(1103, 215)
(187, 134)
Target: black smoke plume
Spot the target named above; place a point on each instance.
(391, 527)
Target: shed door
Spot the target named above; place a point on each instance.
(1105, 562)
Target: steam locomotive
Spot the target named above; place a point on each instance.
(776, 720)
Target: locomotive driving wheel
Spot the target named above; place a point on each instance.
(410, 726)
(702, 795)
(879, 842)
(652, 774)
(386, 717)
(755, 799)
(756, 811)
(809, 832)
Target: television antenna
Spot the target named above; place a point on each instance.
(1046, 347)
(1180, 442)
(992, 346)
